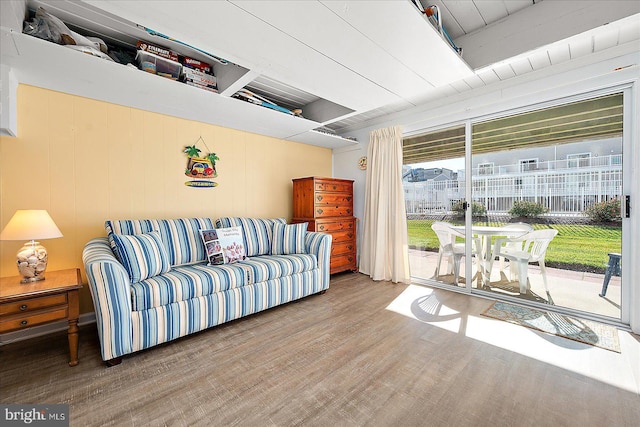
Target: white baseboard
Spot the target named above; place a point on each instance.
(36, 331)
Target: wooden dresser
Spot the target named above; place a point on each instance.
(327, 205)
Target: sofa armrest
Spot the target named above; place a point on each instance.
(111, 292)
(319, 244)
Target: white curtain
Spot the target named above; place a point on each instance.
(384, 254)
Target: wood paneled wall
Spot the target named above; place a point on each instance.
(86, 161)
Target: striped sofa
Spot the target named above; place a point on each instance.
(175, 293)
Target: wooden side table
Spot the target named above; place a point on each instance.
(23, 306)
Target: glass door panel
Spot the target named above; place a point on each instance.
(546, 191)
(434, 189)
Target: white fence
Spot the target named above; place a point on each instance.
(565, 186)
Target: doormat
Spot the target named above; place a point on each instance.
(584, 331)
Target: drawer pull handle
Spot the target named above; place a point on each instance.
(23, 323)
(320, 211)
(23, 307)
(321, 227)
(319, 198)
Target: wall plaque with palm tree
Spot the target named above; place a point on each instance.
(200, 168)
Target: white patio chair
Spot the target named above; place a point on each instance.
(454, 250)
(531, 247)
(515, 227)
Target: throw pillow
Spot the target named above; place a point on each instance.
(143, 255)
(288, 239)
(224, 245)
(256, 232)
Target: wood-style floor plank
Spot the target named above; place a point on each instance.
(345, 358)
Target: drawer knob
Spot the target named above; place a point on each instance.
(320, 211)
(321, 227)
(23, 323)
(23, 307)
(319, 198)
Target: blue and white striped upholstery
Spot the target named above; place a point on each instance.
(191, 298)
(257, 232)
(192, 281)
(143, 255)
(111, 293)
(168, 322)
(288, 238)
(180, 236)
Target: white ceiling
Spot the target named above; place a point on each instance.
(373, 57)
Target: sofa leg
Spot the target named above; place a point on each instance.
(113, 362)
(323, 292)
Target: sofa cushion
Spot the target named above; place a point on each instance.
(257, 232)
(288, 238)
(142, 255)
(180, 236)
(191, 281)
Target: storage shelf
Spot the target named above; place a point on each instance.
(51, 66)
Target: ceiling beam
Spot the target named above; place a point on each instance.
(539, 25)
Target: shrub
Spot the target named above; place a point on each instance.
(608, 211)
(477, 209)
(527, 209)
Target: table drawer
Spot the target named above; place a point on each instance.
(15, 322)
(32, 304)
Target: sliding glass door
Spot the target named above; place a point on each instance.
(545, 204)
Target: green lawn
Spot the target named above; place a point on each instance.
(576, 247)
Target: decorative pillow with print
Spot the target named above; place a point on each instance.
(224, 245)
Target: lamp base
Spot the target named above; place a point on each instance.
(32, 262)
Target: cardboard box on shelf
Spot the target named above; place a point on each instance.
(197, 65)
(202, 86)
(198, 76)
(157, 50)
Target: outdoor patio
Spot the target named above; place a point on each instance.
(571, 289)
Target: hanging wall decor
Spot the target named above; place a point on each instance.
(362, 162)
(202, 169)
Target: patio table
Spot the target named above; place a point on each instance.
(486, 233)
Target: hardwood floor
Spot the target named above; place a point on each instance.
(364, 353)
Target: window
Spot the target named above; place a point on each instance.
(580, 160)
(485, 169)
(528, 165)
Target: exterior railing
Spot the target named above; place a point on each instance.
(563, 186)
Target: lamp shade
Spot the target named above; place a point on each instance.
(30, 225)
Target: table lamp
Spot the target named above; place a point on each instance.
(32, 257)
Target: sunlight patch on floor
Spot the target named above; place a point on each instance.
(437, 308)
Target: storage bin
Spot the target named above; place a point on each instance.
(155, 64)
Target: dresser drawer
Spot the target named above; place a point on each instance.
(343, 236)
(336, 187)
(333, 211)
(333, 199)
(32, 304)
(343, 248)
(343, 263)
(14, 322)
(340, 225)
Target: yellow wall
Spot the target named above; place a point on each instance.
(86, 161)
